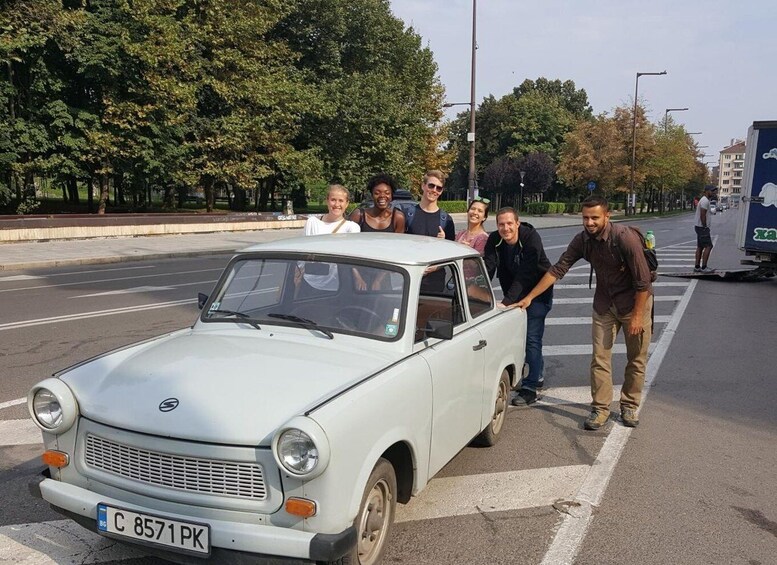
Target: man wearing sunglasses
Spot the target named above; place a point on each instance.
(426, 217)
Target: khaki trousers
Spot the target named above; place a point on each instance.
(604, 329)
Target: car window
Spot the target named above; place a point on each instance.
(480, 299)
(439, 299)
(322, 295)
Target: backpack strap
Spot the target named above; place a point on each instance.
(409, 215)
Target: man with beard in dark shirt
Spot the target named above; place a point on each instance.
(623, 299)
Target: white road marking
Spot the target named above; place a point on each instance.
(574, 526)
(60, 542)
(9, 403)
(581, 349)
(492, 492)
(19, 432)
(13, 278)
(94, 314)
(575, 286)
(91, 282)
(555, 396)
(126, 291)
(586, 320)
(590, 299)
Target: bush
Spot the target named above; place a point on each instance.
(573, 208)
(453, 206)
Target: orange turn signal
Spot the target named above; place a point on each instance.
(56, 459)
(301, 507)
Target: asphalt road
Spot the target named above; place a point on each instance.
(695, 483)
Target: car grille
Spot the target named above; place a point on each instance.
(191, 474)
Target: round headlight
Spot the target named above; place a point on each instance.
(53, 406)
(297, 452)
(47, 409)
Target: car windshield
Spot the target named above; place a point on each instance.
(325, 297)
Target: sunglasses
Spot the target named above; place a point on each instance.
(483, 200)
(432, 186)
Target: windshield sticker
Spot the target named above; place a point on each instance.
(214, 306)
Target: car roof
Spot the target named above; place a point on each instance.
(386, 247)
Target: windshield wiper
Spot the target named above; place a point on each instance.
(243, 317)
(304, 322)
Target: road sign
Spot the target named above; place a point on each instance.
(591, 186)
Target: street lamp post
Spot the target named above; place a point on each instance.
(666, 117)
(520, 202)
(471, 134)
(634, 141)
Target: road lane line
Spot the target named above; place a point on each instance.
(94, 314)
(19, 432)
(581, 349)
(9, 403)
(132, 290)
(574, 525)
(590, 299)
(576, 286)
(91, 282)
(492, 492)
(555, 396)
(586, 320)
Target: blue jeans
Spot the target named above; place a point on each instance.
(535, 328)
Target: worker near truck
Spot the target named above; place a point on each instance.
(702, 227)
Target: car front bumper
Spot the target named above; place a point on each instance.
(238, 539)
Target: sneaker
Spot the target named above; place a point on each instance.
(629, 416)
(524, 398)
(596, 419)
(706, 270)
(697, 269)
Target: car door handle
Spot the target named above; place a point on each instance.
(481, 344)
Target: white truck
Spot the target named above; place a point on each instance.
(757, 232)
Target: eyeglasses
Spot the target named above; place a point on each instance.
(483, 200)
(432, 186)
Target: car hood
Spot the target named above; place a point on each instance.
(232, 386)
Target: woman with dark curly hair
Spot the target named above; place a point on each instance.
(381, 216)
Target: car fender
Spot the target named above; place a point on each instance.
(399, 400)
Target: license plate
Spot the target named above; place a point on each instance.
(185, 537)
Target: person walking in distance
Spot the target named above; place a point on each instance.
(702, 227)
(515, 253)
(426, 217)
(623, 299)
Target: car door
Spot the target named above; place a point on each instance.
(456, 365)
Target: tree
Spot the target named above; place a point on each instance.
(539, 172)
(593, 151)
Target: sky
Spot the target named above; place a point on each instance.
(720, 56)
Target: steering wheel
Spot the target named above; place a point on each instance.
(348, 317)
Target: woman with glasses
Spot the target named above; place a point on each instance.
(475, 236)
(381, 216)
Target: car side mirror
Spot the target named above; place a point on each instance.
(202, 298)
(441, 329)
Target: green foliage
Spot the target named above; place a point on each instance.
(178, 96)
(539, 208)
(453, 206)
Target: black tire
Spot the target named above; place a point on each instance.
(490, 435)
(375, 517)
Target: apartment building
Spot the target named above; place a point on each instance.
(731, 166)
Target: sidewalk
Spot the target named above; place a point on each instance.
(45, 254)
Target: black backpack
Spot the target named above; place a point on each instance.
(650, 254)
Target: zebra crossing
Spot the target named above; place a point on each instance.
(64, 542)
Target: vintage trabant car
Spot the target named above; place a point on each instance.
(326, 379)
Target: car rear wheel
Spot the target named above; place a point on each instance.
(490, 435)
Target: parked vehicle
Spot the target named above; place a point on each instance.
(757, 232)
(297, 410)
